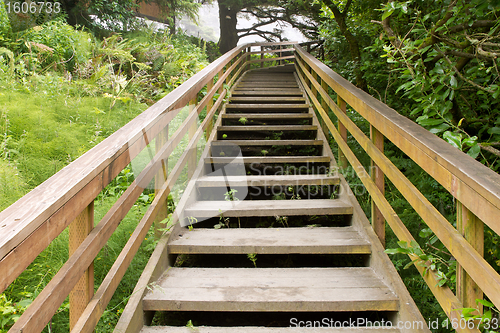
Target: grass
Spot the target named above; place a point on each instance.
(48, 121)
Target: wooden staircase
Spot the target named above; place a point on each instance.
(267, 183)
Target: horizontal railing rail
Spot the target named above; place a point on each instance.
(475, 187)
(66, 199)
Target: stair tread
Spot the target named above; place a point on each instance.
(256, 329)
(268, 92)
(269, 208)
(268, 142)
(268, 128)
(340, 240)
(267, 159)
(270, 289)
(266, 180)
(270, 99)
(266, 115)
(266, 106)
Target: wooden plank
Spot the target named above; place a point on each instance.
(473, 231)
(265, 106)
(266, 92)
(270, 241)
(268, 142)
(268, 208)
(267, 159)
(256, 329)
(267, 128)
(81, 294)
(472, 183)
(377, 175)
(271, 180)
(267, 99)
(132, 318)
(270, 289)
(266, 115)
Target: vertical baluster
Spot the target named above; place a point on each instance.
(262, 56)
(210, 104)
(378, 221)
(342, 131)
(325, 107)
(160, 178)
(191, 131)
(81, 294)
(472, 228)
(248, 57)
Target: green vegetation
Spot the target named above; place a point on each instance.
(62, 91)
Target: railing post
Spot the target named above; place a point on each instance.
(262, 56)
(248, 57)
(342, 131)
(210, 104)
(280, 62)
(472, 228)
(378, 221)
(160, 178)
(191, 132)
(324, 105)
(82, 293)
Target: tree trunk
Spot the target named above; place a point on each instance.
(351, 41)
(228, 34)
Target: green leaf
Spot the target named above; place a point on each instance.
(470, 141)
(485, 303)
(453, 82)
(455, 139)
(494, 130)
(439, 128)
(424, 233)
(430, 122)
(387, 14)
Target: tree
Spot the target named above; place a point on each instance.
(265, 11)
(171, 10)
(448, 64)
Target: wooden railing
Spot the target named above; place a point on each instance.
(475, 187)
(66, 200)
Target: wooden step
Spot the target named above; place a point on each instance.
(268, 99)
(270, 180)
(267, 92)
(270, 289)
(341, 240)
(269, 208)
(267, 89)
(267, 115)
(267, 142)
(267, 159)
(265, 106)
(274, 128)
(256, 329)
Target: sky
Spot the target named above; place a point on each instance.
(208, 28)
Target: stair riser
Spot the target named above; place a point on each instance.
(266, 151)
(266, 135)
(271, 169)
(269, 192)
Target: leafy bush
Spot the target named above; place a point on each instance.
(56, 43)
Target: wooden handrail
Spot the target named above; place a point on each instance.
(474, 185)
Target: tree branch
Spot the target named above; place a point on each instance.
(490, 149)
